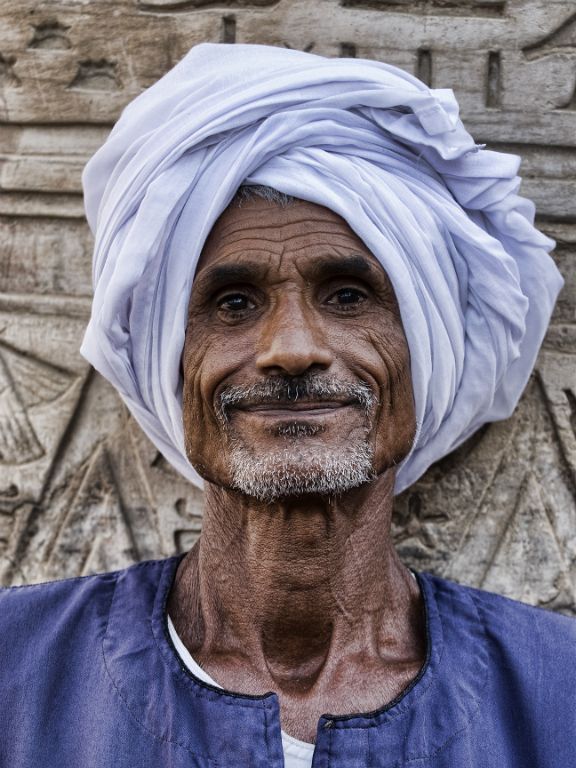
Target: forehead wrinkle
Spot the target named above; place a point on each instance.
(274, 230)
(324, 244)
(295, 242)
(239, 247)
(314, 261)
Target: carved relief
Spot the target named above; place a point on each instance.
(24, 384)
(37, 400)
(500, 513)
(8, 78)
(560, 41)
(493, 80)
(109, 500)
(96, 76)
(81, 489)
(456, 7)
(181, 5)
(51, 35)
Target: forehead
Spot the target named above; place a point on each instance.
(297, 230)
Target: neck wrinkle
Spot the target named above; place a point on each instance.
(290, 590)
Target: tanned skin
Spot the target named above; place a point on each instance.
(305, 596)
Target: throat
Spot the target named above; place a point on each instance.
(306, 598)
(296, 649)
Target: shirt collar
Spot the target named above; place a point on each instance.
(170, 704)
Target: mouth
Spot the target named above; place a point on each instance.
(293, 399)
(291, 409)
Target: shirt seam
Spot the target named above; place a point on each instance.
(73, 579)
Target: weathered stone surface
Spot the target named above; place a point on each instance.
(81, 489)
(500, 513)
(45, 256)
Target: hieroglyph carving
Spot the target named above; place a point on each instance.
(25, 383)
(560, 41)
(180, 5)
(449, 7)
(81, 489)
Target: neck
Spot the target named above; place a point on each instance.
(292, 588)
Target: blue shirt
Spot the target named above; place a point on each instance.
(89, 679)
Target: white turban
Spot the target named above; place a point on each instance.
(472, 276)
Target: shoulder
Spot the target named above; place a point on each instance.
(57, 589)
(503, 613)
(30, 604)
(538, 641)
(36, 618)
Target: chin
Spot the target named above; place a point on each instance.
(295, 472)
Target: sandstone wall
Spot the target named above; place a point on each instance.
(81, 489)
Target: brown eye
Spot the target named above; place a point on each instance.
(347, 298)
(235, 302)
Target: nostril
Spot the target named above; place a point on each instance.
(293, 360)
(292, 342)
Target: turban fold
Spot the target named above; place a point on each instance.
(472, 276)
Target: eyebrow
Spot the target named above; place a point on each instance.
(226, 274)
(322, 268)
(330, 266)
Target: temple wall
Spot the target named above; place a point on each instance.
(81, 490)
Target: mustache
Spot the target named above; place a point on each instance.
(289, 389)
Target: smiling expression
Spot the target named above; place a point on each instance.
(294, 349)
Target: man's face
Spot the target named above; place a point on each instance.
(296, 367)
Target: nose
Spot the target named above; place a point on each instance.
(292, 341)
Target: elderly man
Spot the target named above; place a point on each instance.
(310, 284)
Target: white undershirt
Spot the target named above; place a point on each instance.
(297, 754)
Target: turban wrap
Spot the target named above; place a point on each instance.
(472, 276)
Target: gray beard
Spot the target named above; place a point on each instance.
(299, 470)
(297, 467)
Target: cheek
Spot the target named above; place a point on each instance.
(208, 361)
(194, 416)
(396, 420)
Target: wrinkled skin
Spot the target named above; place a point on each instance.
(304, 596)
(289, 316)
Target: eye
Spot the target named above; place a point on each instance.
(234, 303)
(347, 298)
